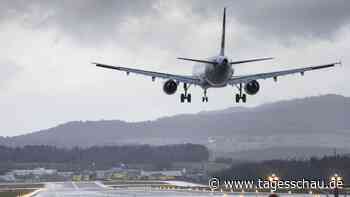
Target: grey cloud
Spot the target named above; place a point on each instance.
(83, 20)
(191, 28)
(98, 21)
(288, 19)
(9, 69)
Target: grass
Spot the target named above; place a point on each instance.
(15, 193)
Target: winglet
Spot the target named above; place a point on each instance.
(340, 63)
(95, 63)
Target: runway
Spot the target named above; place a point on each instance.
(95, 189)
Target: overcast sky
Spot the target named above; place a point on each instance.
(46, 48)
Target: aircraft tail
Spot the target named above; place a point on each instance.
(222, 50)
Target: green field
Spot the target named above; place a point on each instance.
(20, 185)
(18, 189)
(14, 193)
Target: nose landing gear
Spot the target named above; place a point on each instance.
(205, 98)
(241, 96)
(185, 96)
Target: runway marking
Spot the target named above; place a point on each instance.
(94, 189)
(101, 185)
(75, 186)
(33, 193)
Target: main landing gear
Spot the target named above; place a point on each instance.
(205, 98)
(185, 96)
(241, 96)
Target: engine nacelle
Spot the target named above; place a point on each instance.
(252, 87)
(170, 87)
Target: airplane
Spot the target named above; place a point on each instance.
(215, 72)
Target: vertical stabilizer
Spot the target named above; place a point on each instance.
(222, 50)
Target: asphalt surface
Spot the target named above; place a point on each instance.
(95, 189)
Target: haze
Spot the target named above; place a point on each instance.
(46, 50)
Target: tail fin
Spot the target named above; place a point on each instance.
(222, 51)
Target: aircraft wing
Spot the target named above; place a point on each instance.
(154, 75)
(274, 75)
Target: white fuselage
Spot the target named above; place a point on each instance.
(214, 75)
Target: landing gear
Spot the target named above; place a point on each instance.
(205, 98)
(185, 96)
(241, 95)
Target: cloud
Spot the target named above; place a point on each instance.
(320, 19)
(9, 70)
(83, 20)
(55, 41)
(96, 21)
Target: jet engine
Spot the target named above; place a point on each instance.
(252, 87)
(170, 87)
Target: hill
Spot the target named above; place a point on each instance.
(320, 121)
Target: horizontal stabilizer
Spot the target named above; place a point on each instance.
(251, 60)
(197, 60)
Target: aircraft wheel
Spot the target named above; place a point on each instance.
(182, 98)
(237, 98)
(189, 98)
(244, 98)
